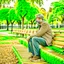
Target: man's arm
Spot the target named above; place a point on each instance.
(42, 30)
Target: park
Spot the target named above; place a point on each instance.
(18, 21)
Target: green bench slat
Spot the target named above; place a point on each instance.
(52, 59)
(17, 55)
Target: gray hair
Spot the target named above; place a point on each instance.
(40, 16)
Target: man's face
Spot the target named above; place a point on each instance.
(38, 20)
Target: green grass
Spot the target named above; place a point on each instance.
(7, 38)
(5, 42)
(57, 28)
(52, 29)
(3, 30)
(4, 39)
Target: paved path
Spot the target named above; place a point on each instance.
(23, 51)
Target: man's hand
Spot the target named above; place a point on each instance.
(32, 35)
(28, 38)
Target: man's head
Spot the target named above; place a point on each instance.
(39, 18)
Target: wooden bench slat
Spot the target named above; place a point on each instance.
(58, 35)
(58, 43)
(58, 39)
(59, 46)
(58, 31)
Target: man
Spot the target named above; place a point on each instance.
(42, 37)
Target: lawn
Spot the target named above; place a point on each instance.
(57, 28)
(7, 39)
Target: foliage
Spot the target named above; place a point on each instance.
(31, 14)
(58, 10)
(4, 13)
(12, 15)
(39, 2)
(58, 7)
(51, 18)
(23, 8)
(3, 2)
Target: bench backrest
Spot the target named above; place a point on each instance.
(58, 39)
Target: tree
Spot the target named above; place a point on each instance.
(51, 18)
(31, 15)
(18, 20)
(3, 2)
(62, 1)
(4, 15)
(39, 2)
(58, 10)
(23, 9)
(12, 17)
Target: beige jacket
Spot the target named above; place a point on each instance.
(44, 32)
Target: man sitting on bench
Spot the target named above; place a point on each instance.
(42, 37)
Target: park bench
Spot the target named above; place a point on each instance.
(53, 54)
(57, 41)
(24, 32)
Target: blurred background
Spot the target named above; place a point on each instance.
(20, 14)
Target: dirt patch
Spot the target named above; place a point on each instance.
(7, 56)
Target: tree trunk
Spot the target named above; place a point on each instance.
(11, 27)
(0, 5)
(19, 24)
(31, 23)
(7, 25)
(0, 26)
(63, 20)
(22, 22)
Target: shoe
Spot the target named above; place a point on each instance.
(31, 57)
(35, 58)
